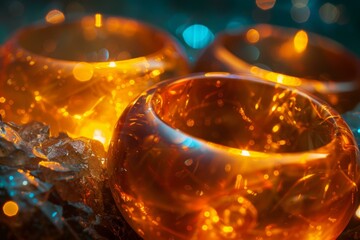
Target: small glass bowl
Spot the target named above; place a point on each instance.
(78, 76)
(289, 56)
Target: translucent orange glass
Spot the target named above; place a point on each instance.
(289, 56)
(78, 76)
(220, 156)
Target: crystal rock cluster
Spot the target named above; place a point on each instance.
(58, 185)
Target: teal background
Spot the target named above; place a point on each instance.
(176, 15)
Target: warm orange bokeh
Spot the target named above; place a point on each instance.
(78, 77)
(10, 208)
(288, 56)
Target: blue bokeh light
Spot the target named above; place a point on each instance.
(197, 36)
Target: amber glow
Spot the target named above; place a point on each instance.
(100, 136)
(300, 41)
(252, 35)
(112, 64)
(286, 50)
(10, 208)
(215, 219)
(100, 131)
(83, 91)
(309, 61)
(53, 165)
(257, 159)
(357, 213)
(83, 71)
(204, 227)
(98, 20)
(228, 229)
(265, 4)
(55, 16)
(275, 77)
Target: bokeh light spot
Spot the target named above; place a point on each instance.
(236, 23)
(251, 53)
(99, 135)
(54, 16)
(252, 35)
(98, 20)
(300, 41)
(228, 229)
(300, 15)
(329, 13)
(112, 64)
(265, 4)
(16, 8)
(197, 36)
(10, 208)
(83, 71)
(357, 213)
(300, 3)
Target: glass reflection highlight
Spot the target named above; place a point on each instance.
(300, 41)
(265, 4)
(292, 57)
(79, 76)
(221, 156)
(55, 16)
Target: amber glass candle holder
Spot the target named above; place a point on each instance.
(289, 56)
(78, 76)
(219, 156)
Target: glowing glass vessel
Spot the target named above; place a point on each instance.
(288, 56)
(221, 156)
(78, 76)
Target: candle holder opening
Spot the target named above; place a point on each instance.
(219, 156)
(293, 52)
(252, 115)
(115, 40)
(292, 57)
(79, 76)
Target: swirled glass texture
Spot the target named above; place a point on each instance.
(219, 156)
(78, 76)
(289, 56)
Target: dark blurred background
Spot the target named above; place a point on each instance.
(196, 22)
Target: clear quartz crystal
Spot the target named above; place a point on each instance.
(58, 184)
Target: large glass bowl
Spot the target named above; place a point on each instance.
(220, 156)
